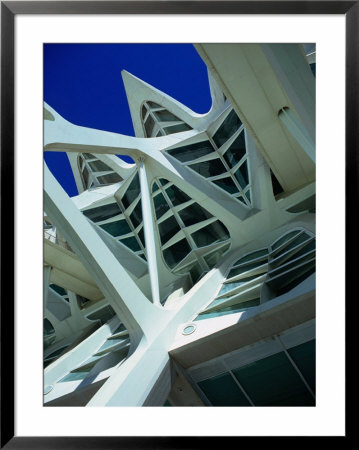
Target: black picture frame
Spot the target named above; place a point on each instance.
(9, 9)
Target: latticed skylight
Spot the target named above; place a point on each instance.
(123, 219)
(158, 121)
(192, 240)
(281, 267)
(222, 159)
(95, 172)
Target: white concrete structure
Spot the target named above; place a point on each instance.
(188, 277)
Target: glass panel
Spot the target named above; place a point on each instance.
(241, 199)
(236, 151)
(75, 376)
(174, 254)
(223, 391)
(248, 195)
(88, 156)
(228, 310)
(154, 187)
(119, 329)
(132, 192)
(209, 168)
(99, 166)
(245, 268)
(291, 263)
(229, 286)
(192, 151)
(136, 215)
(154, 105)
(85, 175)
(215, 232)
(227, 184)
(160, 204)
(131, 243)
(176, 128)
(168, 229)
(176, 195)
(303, 251)
(297, 241)
(144, 111)
(242, 175)
(194, 214)
(227, 129)
(58, 289)
(149, 124)
(273, 381)
(212, 258)
(284, 238)
(104, 314)
(166, 116)
(163, 181)
(290, 280)
(102, 212)
(141, 236)
(118, 228)
(110, 343)
(109, 178)
(303, 356)
(88, 364)
(253, 255)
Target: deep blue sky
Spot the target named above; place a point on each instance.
(83, 83)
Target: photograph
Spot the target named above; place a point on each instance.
(179, 224)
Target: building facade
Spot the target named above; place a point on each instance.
(188, 277)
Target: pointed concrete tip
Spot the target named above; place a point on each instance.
(128, 76)
(131, 82)
(135, 87)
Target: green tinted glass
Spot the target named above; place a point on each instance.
(210, 168)
(102, 212)
(230, 125)
(176, 195)
(273, 381)
(215, 232)
(194, 214)
(223, 391)
(227, 184)
(168, 229)
(236, 151)
(131, 243)
(118, 228)
(191, 151)
(174, 254)
(160, 204)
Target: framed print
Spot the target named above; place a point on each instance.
(170, 168)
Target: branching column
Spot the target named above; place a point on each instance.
(149, 233)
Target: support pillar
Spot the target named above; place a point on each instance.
(149, 233)
(128, 301)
